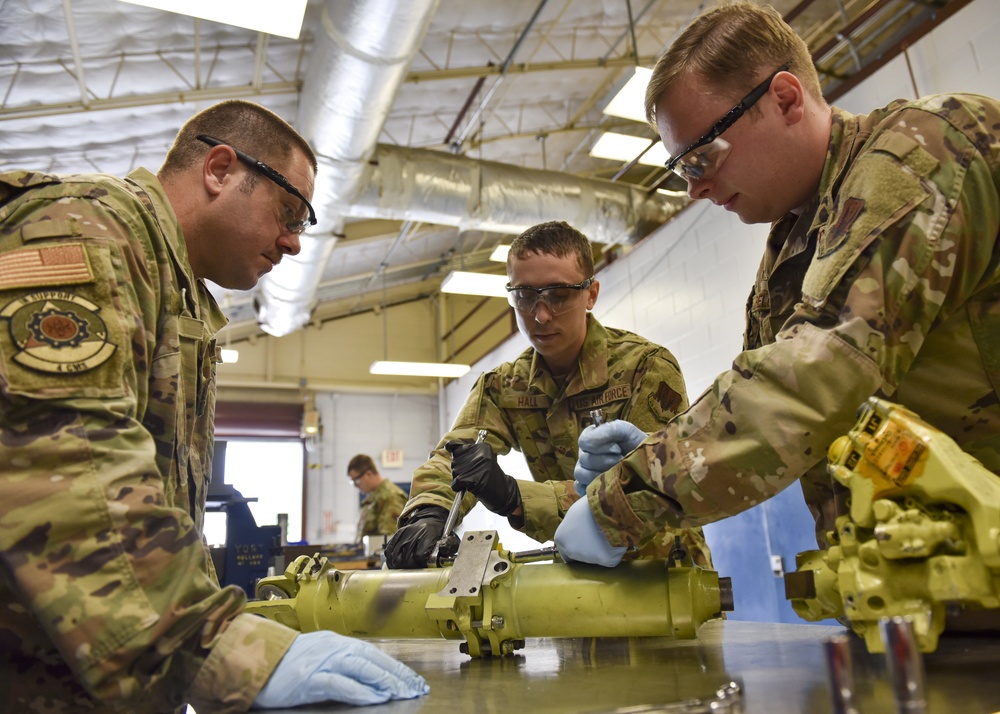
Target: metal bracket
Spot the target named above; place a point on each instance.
(469, 569)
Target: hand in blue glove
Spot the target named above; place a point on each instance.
(327, 667)
(579, 538)
(601, 447)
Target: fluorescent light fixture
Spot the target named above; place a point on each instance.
(230, 356)
(419, 369)
(465, 283)
(624, 148)
(499, 253)
(275, 18)
(630, 102)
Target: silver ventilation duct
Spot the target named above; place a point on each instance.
(360, 57)
(438, 187)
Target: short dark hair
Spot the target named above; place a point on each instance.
(554, 238)
(244, 125)
(732, 47)
(361, 463)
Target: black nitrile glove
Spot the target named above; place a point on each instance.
(412, 544)
(474, 469)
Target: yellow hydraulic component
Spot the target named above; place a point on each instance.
(494, 600)
(921, 539)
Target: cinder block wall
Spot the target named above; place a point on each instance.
(686, 287)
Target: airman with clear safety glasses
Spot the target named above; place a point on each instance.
(558, 299)
(702, 158)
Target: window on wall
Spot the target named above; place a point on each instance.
(264, 458)
(269, 470)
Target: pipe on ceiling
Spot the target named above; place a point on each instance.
(360, 56)
(438, 187)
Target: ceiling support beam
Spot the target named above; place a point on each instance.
(214, 94)
(74, 43)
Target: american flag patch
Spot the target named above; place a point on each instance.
(65, 264)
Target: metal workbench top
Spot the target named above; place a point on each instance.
(781, 667)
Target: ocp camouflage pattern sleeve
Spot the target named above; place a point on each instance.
(108, 600)
(901, 298)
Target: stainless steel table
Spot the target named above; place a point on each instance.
(781, 668)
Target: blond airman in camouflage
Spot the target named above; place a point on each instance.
(108, 599)
(383, 502)
(881, 277)
(540, 402)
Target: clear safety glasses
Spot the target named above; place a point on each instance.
(557, 298)
(292, 224)
(702, 159)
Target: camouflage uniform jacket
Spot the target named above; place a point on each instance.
(380, 510)
(889, 285)
(108, 599)
(521, 406)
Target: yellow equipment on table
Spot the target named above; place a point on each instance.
(921, 538)
(494, 598)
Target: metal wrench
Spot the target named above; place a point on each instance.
(456, 507)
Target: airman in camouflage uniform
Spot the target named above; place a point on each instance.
(884, 281)
(108, 598)
(383, 502)
(381, 509)
(526, 405)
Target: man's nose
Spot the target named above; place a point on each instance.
(698, 187)
(542, 312)
(288, 243)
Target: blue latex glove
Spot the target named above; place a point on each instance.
(327, 667)
(578, 538)
(601, 447)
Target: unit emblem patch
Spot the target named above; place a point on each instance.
(56, 331)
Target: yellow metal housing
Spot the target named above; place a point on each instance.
(494, 602)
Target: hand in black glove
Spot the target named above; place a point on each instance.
(474, 469)
(411, 545)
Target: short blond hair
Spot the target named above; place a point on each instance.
(733, 48)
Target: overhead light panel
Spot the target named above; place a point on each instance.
(630, 102)
(419, 369)
(466, 283)
(624, 148)
(499, 253)
(230, 356)
(275, 18)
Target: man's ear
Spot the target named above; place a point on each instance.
(219, 165)
(790, 95)
(592, 291)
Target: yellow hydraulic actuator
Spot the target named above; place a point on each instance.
(494, 600)
(921, 539)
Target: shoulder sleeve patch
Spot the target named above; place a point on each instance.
(59, 342)
(57, 332)
(879, 192)
(665, 402)
(64, 264)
